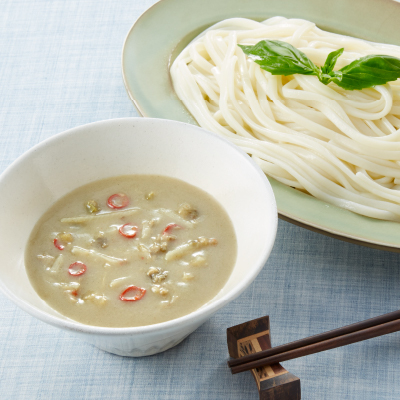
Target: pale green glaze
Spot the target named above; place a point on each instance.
(167, 27)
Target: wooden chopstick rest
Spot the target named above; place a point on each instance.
(250, 346)
(273, 381)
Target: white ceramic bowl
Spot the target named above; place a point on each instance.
(127, 146)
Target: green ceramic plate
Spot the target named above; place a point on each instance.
(167, 27)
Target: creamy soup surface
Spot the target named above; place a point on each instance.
(130, 251)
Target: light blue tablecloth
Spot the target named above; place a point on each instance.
(59, 68)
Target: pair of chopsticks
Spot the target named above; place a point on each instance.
(354, 333)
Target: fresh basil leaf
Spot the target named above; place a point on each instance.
(331, 61)
(367, 72)
(280, 58)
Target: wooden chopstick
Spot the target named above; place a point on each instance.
(329, 344)
(381, 319)
(353, 333)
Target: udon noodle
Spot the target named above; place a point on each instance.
(340, 146)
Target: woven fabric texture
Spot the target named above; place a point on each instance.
(59, 68)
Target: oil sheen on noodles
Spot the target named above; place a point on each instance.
(342, 147)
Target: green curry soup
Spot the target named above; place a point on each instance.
(130, 251)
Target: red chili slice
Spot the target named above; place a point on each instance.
(128, 230)
(118, 200)
(58, 244)
(169, 227)
(140, 292)
(72, 269)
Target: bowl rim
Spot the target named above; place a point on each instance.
(207, 309)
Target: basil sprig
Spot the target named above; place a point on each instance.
(281, 58)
